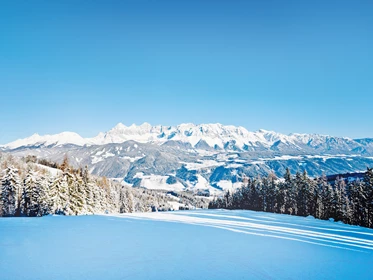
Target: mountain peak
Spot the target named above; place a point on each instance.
(119, 126)
(213, 134)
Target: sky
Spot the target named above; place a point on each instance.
(287, 66)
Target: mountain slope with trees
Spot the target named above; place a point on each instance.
(351, 202)
(35, 188)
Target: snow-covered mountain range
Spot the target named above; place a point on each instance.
(204, 136)
(198, 157)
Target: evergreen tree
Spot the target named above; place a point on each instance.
(10, 193)
(327, 199)
(340, 200)
(282, 197)
(59, 194)
(31, 192)
(323, 193)
(368, 188)
(89, 191)
(76, 195)
(126, 201)
(130, 205)
(312, 197)
(44, 200)
(358, 201)
(301, 194)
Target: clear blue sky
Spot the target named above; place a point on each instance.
(288, 66)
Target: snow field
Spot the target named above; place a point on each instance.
(209, 244)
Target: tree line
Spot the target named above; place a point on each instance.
(351, 203)
(31, 187)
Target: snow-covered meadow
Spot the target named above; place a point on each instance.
(206, 244)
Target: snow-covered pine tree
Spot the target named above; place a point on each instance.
(130, 204)
(141, 204)
(292, 189)
(10, 192)
(114, 197)
(348, 213)
(358, 202)
(320, 185)
(89, 190)
(368, 181)
(44, 199)
(90, 197)
(96, 197)
(327, 200)
(59, 194)
(281, 198)
(270, 192)
(312, 197)
(301, 186)
(122, 201)
(254, 196)
(31, 192)
(126, 201)
(245, 194)
(340, 200)
(76, 204)
(100, 199)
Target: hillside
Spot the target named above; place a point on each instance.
(210, 244)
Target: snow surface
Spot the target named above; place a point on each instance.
(228, 185)
(212, 244)
(157, 182)
(53, 171)
(202, 164)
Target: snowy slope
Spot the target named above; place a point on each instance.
(183, 245)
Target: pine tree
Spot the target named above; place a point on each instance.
(368, 182)
(340, 200)
(327, 199)
(292, 189)
(301, 194)
(59, 194)
(287, 176)
(44, 199)
(88, 190)
(10, 194)
(126, 201)
(282, 197)
(31, 192)
(130, 205)
(271, 189)
(358, 201)
(76, 195)
(312, 197)
(90, 197)
(322, 197)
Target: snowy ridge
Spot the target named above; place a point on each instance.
(203, 136)
(48, 140)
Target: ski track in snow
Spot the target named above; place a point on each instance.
(340, 238)
(188, 245)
